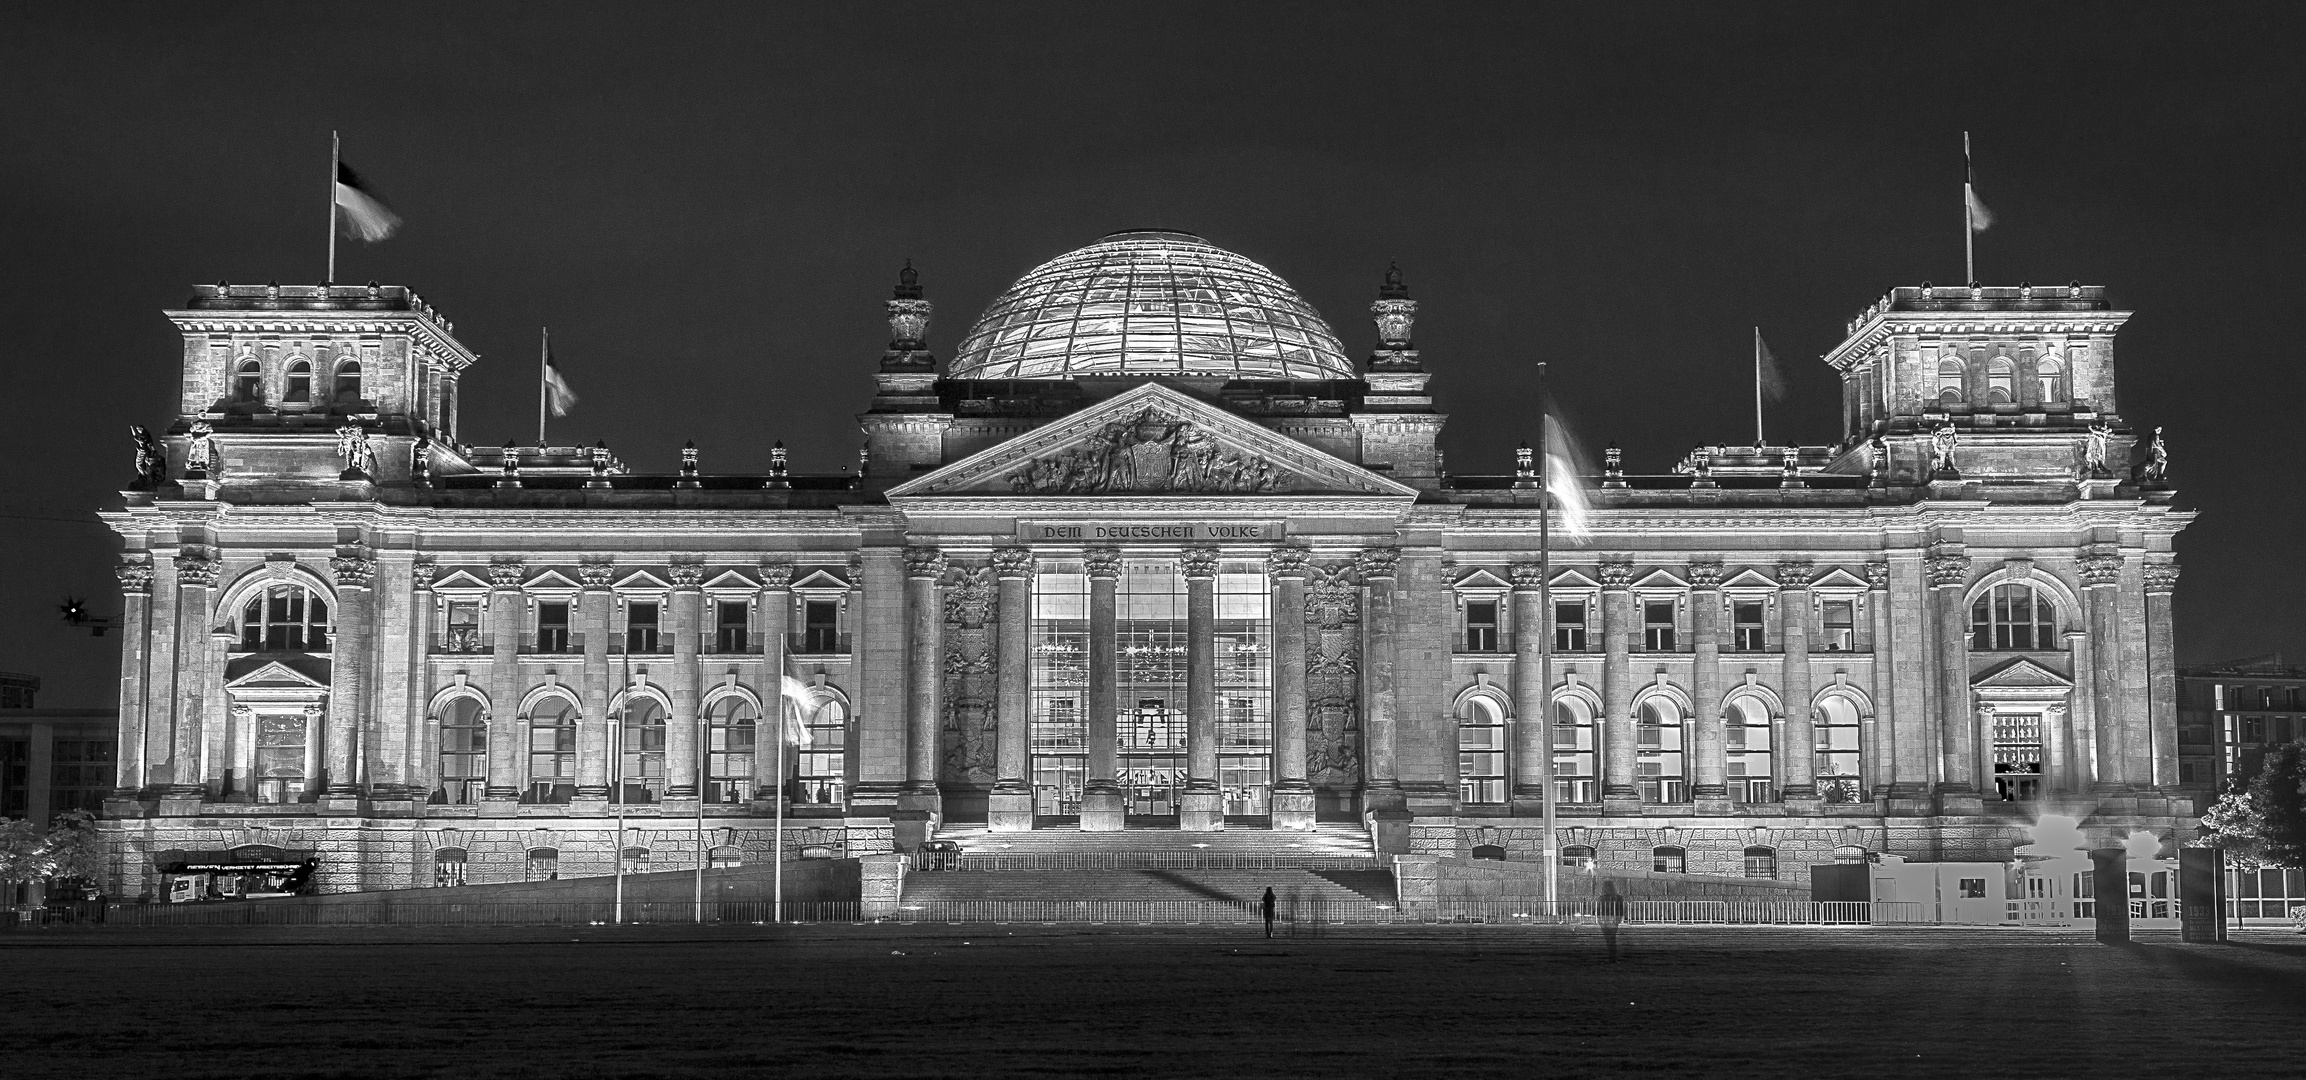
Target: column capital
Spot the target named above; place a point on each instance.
(2101, 570)
(1527, 576)
(352, 571)
(1616, 572)
(1878, 576)
(422, 572)
(2161, 578)
(1705, 574)
(1796, 574)
(135, 578)
(1200, 563)
(1287, 562)
(924, 562)
(1380, 562)
(1103, 562)
(1013, 562)
(597, 576)
(195, 571)
(687, 576)
(505, 574)
(1949, 571)
(777, 575)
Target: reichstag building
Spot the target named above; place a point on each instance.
(1151, 552)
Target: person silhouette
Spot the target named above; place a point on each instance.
(1610, 907)
(1266, 905)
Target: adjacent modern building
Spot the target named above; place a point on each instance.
(52, 760)
(1152, 551)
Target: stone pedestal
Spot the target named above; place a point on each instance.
(337, 804)
(881, 884)
(1960, 801)
(123, 807)
(178, 804)
(1908, 804)
(1389, 831)
(1101, 809)
(1293, 809)
(499, 808)
(2110, 881)
(1007, 811)
(394, 804)
(1712, 805)
(910, 829)
(1201, 811)
(1803, 807)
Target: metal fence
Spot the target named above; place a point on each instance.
(389, 912)
(935, 861)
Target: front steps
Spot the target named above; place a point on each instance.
(1329, 864)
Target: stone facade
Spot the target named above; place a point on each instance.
(352, 631)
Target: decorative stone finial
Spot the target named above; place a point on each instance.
(908, 313)
(1394, 312)
(777, 478)
(1393, 289)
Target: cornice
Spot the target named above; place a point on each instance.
(417, 326)
(1882, 327)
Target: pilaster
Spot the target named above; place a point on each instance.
(1102, 804)
(596, 601)
(1201, 807)
(1293, 806)
(1009, 807)
(1710, 786)
(1619, 623)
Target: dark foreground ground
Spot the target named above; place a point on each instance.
(819, 1002)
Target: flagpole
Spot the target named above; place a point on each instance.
(1969, 216)
(543, 376)
(335, 163)
(777, 846)
(1544, 631)
(1758, 388)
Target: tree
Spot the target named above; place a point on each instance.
(2261, 820)
(74, 849)
(23, 857)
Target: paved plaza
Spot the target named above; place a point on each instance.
(889, 1001)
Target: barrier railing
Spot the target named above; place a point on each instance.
(385, 911)
(939, 861)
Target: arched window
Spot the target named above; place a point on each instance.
(822, 766)
(636, 860)
(1658, 755)
(1577, 857)
(2013, 617)
(346, 385)
(1492, 852)
(1574, 775)
(729, 751)
(1762, 862)
(299, 388)
(643, 760)
(552, 738)
(1838, 760)
(463, 752)
(1481, 753)
(1746, 731)
(1950, 375)
(2001, 381)
(448, 866)
(1668, 860)
(2051, 375)
(248, 382)
(284, 617)
(544, 864)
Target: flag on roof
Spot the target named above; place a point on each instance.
(364, 217)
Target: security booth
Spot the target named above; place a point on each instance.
(247, 872)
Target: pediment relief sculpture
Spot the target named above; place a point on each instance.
(1150, 452)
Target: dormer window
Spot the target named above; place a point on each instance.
(1950, 388)
(299, 388)
(2052, 377)
(248, 382)
(2001, 381)
(347, 384)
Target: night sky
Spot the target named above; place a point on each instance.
(709, 203)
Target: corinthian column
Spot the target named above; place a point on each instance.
(504, 687)
(593, 726)
(681, 728)
(135, 655)
(420, 741)
(2101, 582)
(1533, 719)
(1292, 792)
(1009, 808)
(1202, 809)
(348, 683)
(1957, 718)
(1101, 800)
(1710, 783)
(1380, 716)
(1618, 626)
(925, 624)
(1801, 760)
(195, 577)
(2162, 674)
(776, 604)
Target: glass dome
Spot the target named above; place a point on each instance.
(1150, 303)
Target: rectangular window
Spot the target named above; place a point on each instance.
(552, 628)
(79, 774)
(2278, 729)
(641, 628)
(2017, 756)
(1972, 888)
(2253, 729)
(1569, 626)
(1841, 625)
(463, 632)
(280, 740)
(821, 627)
(1481, 626)
(729, 627)
(1657, 625)
(1746, 626)
(15, 778)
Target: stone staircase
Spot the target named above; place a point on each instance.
(1330, 864)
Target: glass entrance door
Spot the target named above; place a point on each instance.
(1152, 761)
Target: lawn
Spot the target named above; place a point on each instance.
(821, 1002)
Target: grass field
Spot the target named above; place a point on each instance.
(820, 1002)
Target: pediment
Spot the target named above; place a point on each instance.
(1482, 579)
(731, 581)
(458, 581)
(1152, 441)
(2020, 673)
(1659, 579)
(1571, 579)
(1838, 578)
(820, 579)
(1749, 579)
(551, 581)
(642, 581)
(278, 675)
